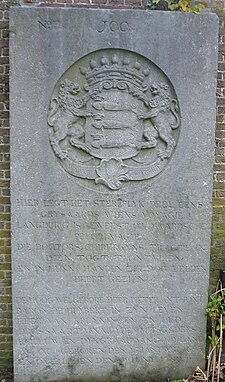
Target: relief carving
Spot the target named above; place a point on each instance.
(112, 122)
(160, 107)
(64, 112)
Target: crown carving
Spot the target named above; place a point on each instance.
(114, 68)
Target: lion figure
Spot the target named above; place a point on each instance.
(160, 107)
(64, 111)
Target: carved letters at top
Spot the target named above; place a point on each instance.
(113, 117)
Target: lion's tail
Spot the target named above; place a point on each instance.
(174, 109)
(53, 108)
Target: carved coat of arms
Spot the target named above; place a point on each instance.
(115, 121)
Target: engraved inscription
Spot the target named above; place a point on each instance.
(113, 26)
(112, 246)
(46, 24)
(110, 124)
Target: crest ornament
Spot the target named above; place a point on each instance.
(113, 119)
(111, 173)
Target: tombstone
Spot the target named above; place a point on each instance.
(112, 133)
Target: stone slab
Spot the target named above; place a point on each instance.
(112, 135)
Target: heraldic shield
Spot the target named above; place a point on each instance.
(113, 119)
(114, 130)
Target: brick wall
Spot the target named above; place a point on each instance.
(5, 259)
(218, 225)
(218, 221)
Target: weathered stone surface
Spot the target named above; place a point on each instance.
(112, 131)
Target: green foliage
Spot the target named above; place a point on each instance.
(177, 5)
(216, 312)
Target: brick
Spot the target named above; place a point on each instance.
(4, 140)
(4, 79)
(5, 33)
(221, 177)
(6, 15)
(215, 218)
(8, 291)
(220, 100)
(79, 3)
(221, 66)
(7, 69)
(4, 346)
(8, 275)
(219, 159)
(6, 174)
(3, 43)
(4, 60)
(9, 322)
(2, 306)
(5, 52)
(2, 105)
(52, 5)
(218, 210)
(99, 2)
(220, 242)
(7, 257)
(4, 24)
(116, 2)
(221, 126)
(221, 48)
(220, 152)
(4, 114)
(4, 148)
(220, 142)
(4, 183)
(219, 118)
(220, 134)
(9, 307)
(4, 166)
(5, 192)
(220, 57)
(4, 233)
(215, 251)
(6, 157)
(221, 84)
(218, 186)
(7, 283)
(221, 193)
(5, 331)
(4, 217)
(219, 201)
(5, 267)
(221, 110)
